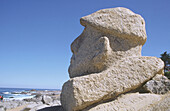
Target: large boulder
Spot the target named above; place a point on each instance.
(106, 60)
(128, 102)
(135, 102)
(128, 74)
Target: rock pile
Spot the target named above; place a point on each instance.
(107, 62)
(41, 99)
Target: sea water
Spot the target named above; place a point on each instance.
(18, 93)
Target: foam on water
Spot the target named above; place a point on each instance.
(18, 93)
(20, 97)
(5, 92)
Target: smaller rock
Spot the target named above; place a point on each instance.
(2, 109)
(16, 93)
(32, 90)
(37, 99)
(128, 102)
(159, 85)
(46, 99)
(23, 92)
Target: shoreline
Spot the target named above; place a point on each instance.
(39, 100)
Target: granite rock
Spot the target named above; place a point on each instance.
(128, 102)
(46, 99)
(127, 75)
(107, 61)
(162, 105)
(159, 85)
(135, 102)
(109, 35)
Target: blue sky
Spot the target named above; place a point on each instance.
(35, 36)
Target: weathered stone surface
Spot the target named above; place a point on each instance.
(126, 75)
(107, 61)
(109, 35)
(128, 102)
(135, 102)
(163, 105)
(120, 22)
(159, 85)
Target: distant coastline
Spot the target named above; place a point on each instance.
(26, 97)
(20, 93)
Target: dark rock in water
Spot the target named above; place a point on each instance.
(16, 93)
(37, 94)
(159, 85)
(23, 93)
(11, 97)
(32, 90)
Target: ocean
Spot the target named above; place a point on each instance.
(19, 93)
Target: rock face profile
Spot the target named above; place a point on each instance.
(109, 35)
(107, 63)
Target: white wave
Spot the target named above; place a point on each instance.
(6, 92)
(19, 98)
(16, 94)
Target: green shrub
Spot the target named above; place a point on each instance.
(167, 74)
